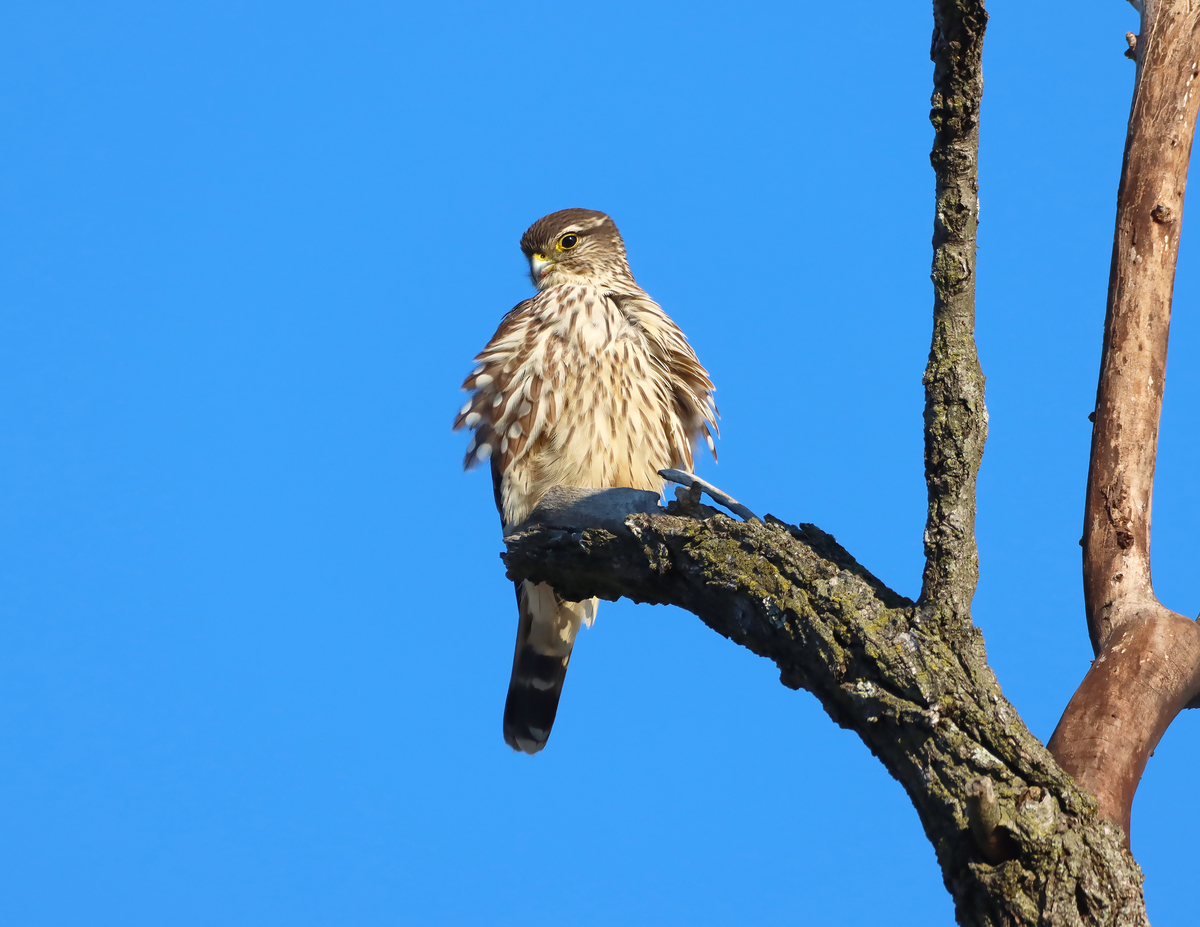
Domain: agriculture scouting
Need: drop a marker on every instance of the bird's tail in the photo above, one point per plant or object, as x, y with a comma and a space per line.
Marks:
545, 636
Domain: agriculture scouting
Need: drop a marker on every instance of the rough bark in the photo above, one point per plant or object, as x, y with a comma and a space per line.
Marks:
1020, 842
955, 415
1148, 657
930, 712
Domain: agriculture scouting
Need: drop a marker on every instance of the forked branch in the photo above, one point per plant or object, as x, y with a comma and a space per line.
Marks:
930, 711
1018, 840
1147, 664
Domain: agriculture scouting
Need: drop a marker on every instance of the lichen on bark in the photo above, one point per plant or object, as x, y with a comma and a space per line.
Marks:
933, 714
955, 414
910, 678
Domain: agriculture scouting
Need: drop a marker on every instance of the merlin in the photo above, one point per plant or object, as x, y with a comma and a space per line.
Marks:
589, 384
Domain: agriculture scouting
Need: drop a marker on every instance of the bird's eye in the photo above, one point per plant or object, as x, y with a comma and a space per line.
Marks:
567, 242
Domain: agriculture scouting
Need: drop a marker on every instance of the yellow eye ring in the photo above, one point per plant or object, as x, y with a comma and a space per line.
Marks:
567, 242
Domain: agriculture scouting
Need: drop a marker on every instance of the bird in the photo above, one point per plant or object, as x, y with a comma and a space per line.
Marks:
588, 383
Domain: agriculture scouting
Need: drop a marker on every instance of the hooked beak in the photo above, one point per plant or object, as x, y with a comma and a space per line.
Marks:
539, 266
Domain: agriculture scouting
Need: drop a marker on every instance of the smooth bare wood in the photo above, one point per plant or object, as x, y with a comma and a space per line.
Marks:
1116, 537
1148, 658
1019, 842
1143, 678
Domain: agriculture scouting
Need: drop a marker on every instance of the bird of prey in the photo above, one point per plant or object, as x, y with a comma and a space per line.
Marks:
589, 384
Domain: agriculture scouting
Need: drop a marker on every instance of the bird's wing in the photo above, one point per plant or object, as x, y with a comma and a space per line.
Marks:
508, 410
691, 389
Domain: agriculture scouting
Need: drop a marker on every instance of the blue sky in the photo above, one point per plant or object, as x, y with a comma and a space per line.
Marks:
254, 633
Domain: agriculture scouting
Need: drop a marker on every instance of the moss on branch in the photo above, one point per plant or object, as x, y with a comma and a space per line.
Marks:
933, 715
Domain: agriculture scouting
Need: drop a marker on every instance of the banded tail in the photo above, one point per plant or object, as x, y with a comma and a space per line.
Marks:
545, 636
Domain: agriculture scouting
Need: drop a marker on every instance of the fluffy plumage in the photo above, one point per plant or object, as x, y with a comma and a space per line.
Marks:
589, 383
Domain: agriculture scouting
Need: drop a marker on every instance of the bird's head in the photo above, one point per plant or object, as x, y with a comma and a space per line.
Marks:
574, 246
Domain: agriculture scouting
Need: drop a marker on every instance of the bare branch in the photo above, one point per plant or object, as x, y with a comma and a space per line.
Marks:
1120, 488
1019, 841
955, 415
1148, 658
934, 717
1143, 678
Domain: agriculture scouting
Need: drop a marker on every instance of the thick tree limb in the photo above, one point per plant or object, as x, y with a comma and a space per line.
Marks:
1148, 657
936, 719
1019, 841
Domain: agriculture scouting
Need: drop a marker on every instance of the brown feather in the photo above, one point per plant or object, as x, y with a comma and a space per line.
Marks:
589, 383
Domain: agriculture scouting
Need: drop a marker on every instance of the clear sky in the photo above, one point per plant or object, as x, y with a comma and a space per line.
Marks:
254, 633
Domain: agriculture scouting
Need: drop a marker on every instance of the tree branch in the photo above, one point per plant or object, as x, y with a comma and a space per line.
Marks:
1148, 657
936, 720
955, 415
1019, 841
1120, 488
